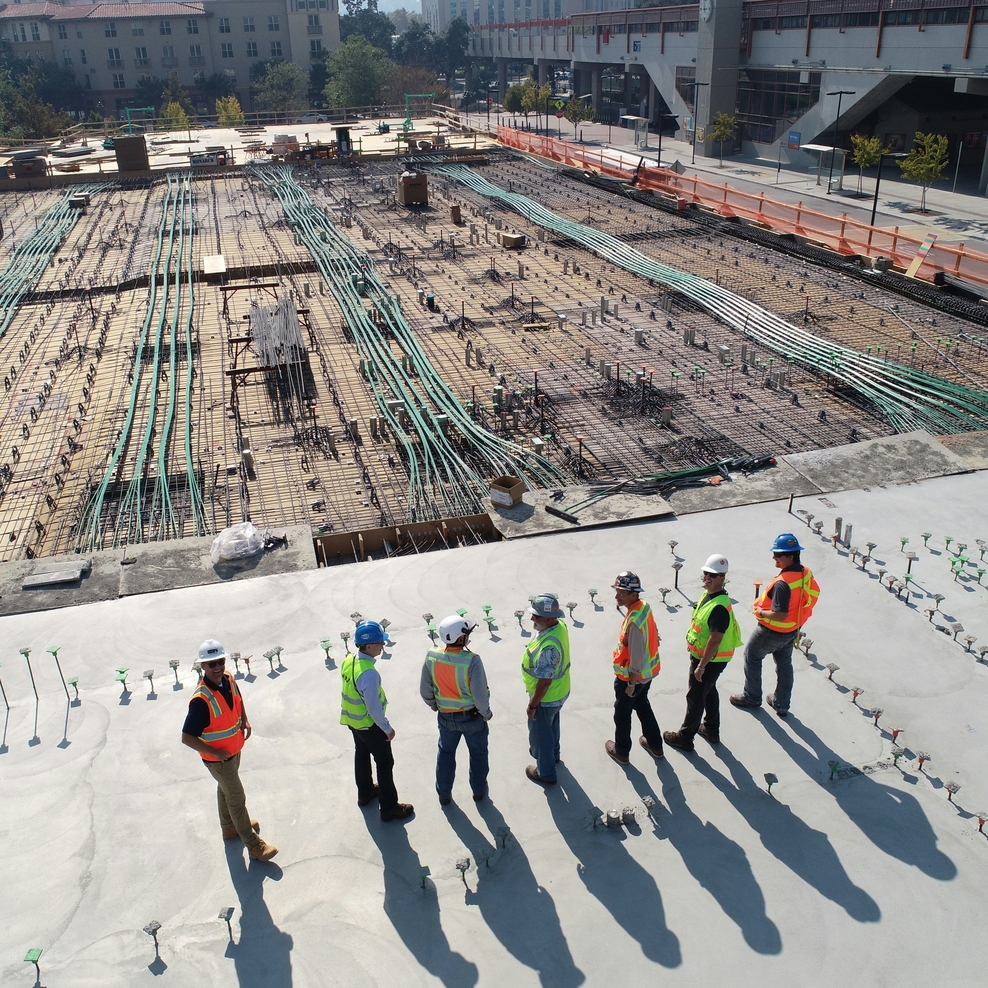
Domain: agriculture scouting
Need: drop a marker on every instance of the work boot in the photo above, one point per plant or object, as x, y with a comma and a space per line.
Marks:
770, 700
654, 752
230, 832
479, 797
533, 773
674, 739
708, 734
367, 800
740, 700
400, 812
611, 748
262, 851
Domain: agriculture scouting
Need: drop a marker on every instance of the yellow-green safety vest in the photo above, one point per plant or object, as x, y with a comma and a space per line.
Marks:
557, 636
699, 633
450, 684
354, 711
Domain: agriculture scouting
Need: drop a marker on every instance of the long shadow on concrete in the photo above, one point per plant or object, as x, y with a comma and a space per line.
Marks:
891, 819
805, 851
262, 955
612, 876
516, 909
716, 862
413, 910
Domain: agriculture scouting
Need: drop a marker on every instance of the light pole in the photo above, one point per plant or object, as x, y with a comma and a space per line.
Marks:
840, 94
695, 106
895, 155
662, 116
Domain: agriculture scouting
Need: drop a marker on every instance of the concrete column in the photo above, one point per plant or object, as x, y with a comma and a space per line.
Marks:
628, 108
652, 92
543, 70
502, 76
597, 88
983, 181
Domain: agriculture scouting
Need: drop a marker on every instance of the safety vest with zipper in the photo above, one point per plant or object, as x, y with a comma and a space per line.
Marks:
699, 633
354, 711
558, 637
450, 682
224, 730
803, 594
639, 614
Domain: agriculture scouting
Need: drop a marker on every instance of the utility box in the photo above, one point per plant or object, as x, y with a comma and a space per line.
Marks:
507, 490
413, 188
131, 154
513, 241
29, 167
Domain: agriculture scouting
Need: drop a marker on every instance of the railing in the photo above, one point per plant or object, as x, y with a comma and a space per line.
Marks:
838, 233
169, 62
197, 60
141, 62
114, 63
314, 29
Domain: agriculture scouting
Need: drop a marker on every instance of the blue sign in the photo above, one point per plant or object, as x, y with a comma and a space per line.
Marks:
794, 138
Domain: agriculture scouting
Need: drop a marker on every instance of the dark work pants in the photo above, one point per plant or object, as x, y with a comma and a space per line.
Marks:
372, 741
639, 703
702, 701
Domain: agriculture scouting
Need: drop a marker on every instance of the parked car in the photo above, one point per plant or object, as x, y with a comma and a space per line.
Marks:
313, 116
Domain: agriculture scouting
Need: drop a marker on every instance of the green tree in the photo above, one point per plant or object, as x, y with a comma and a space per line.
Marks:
412, 79
376, 28
216, 86
512, 101
416, 46
535, 99
925, 162
54, 84
576, 112
451, 49
174, 117
866, 153
357, 73
284, 89
228, 112
175, 92
258, 70
150, 92
722, 129
403, 19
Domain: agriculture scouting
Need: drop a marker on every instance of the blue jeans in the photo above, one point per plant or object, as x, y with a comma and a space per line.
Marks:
543, 739
475, 731
764, 642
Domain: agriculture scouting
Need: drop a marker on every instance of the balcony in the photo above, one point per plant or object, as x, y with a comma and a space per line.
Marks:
114, 63
314, 29
169, 63
140, 63
317, 54
197, 60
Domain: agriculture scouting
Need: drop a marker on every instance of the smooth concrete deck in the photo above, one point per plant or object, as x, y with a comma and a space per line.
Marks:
873, 879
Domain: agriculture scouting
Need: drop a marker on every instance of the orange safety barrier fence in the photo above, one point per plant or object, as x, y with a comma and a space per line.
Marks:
841, 234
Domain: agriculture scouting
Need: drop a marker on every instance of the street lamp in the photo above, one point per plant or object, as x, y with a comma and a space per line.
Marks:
662, 116
895, 155
695, 84
840, 94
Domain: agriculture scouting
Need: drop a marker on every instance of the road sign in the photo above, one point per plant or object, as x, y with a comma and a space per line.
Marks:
560, 114
559, 104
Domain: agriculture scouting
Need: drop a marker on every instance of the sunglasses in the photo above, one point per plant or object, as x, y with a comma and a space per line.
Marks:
214, 664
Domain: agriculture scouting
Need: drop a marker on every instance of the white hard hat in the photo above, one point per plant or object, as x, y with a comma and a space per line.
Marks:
211, 650
715, 564
454, 627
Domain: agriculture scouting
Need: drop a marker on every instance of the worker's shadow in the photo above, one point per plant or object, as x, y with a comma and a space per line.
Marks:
512, 902
717, 863
262, 954
806, 852
891, 819
414, 910
611, 874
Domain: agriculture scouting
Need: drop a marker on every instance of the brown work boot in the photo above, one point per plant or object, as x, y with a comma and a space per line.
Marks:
611, 748
654, 752
262, 851
400, 812
230, 832
533, 773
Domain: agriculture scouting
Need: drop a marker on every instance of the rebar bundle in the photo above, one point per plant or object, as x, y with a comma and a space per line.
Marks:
276, 336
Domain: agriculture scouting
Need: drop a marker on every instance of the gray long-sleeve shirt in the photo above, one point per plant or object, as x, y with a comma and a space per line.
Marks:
369, 687
476, 680
636, 649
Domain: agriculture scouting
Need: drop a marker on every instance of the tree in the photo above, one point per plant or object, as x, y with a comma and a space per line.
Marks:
512, 101
175, 93
376, 28
721, 129
925, 162
38, 119
451, 49
216, 86
174, 117
416, 46
403, 19
576, 112
55, 85
412, 79
357, 73
150, 92
258, 70
228, 112
535, 99
866, 154
284, 89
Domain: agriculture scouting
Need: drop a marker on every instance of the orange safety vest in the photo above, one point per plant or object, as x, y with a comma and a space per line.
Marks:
804, 591
641, 615
450, 682
224, 730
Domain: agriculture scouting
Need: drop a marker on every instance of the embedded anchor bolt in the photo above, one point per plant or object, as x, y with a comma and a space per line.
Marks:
461, 866
896, 731
677, 566
173, 665
897, 753
649, 803
326, 645
424, 873
152, 931
672, 546
921, 757
818, 527
969, 640
345, 635
952, 789
926, 538
32, 957
834, 766
956, 627
770, 780
876, 712
664, 591
571, 606
983, 651
519, 615
593, 594
982, 816
903, 542
807, 644
356, 617
832, 667
937, 599
758, 588
856, 691
149, 676
226, 915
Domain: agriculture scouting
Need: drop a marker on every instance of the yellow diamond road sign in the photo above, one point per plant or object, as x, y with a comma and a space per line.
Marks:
559, 104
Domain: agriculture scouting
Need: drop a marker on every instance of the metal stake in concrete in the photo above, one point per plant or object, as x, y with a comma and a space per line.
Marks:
32, 957
832, 667
952, 789
152, 931
770, 780
173, 665
6, 719
593, 593
856, 691
982, 816
876, 712
926, 538
461, 866
26, 652
149, 676
922, 757
677, 566
226, 915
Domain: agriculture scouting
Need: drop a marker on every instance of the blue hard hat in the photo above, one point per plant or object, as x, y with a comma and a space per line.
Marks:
786, 542
369, 632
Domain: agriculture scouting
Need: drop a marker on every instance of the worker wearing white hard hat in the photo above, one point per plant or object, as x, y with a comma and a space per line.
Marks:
454, 684
711, 641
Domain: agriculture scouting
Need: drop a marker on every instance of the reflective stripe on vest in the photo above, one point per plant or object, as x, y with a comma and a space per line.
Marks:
223, 730
699, 633
558, 636
641, 615
450, 684
353, 712
803, 594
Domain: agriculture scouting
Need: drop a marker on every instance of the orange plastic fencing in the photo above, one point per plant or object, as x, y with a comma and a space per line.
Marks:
839, 233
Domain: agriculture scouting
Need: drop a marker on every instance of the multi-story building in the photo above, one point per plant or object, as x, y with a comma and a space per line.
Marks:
112, 46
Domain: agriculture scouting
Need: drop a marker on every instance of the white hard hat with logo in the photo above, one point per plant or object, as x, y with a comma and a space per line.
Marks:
715, 564
210, 650
454, 627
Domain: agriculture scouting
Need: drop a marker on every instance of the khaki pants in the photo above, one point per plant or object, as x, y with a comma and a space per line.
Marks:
231, 798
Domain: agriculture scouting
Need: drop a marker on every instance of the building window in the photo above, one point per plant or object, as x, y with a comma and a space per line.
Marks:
63, 33
252, 49
770, 101
248, 25
273, 23
164, 27
141, 56
78, 33
82, 55
192, 26
226, 49
113, 60
276, 49
118, 81
195, 51
866, 19
137, 30
825, 20
23, 33
231, 74
224, 25
89, 82
110, 29
315, 48
66, 57
35, 33
790, 22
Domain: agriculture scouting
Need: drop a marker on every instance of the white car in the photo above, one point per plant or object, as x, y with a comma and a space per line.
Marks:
313, 116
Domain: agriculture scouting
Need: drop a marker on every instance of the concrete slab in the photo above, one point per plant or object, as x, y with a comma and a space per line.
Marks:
770, 484
108, 822
971, 447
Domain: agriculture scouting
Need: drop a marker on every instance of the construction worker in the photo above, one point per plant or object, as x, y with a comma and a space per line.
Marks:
545, 671
454, 684
216, 726
780, 611
636, 663
711, 641
363, 707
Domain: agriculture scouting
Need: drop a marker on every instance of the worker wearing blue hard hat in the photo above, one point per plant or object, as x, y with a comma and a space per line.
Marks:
363, 709
780, 611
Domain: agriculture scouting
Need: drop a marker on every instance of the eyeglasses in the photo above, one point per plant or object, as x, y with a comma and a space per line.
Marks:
214, 664
710, 576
